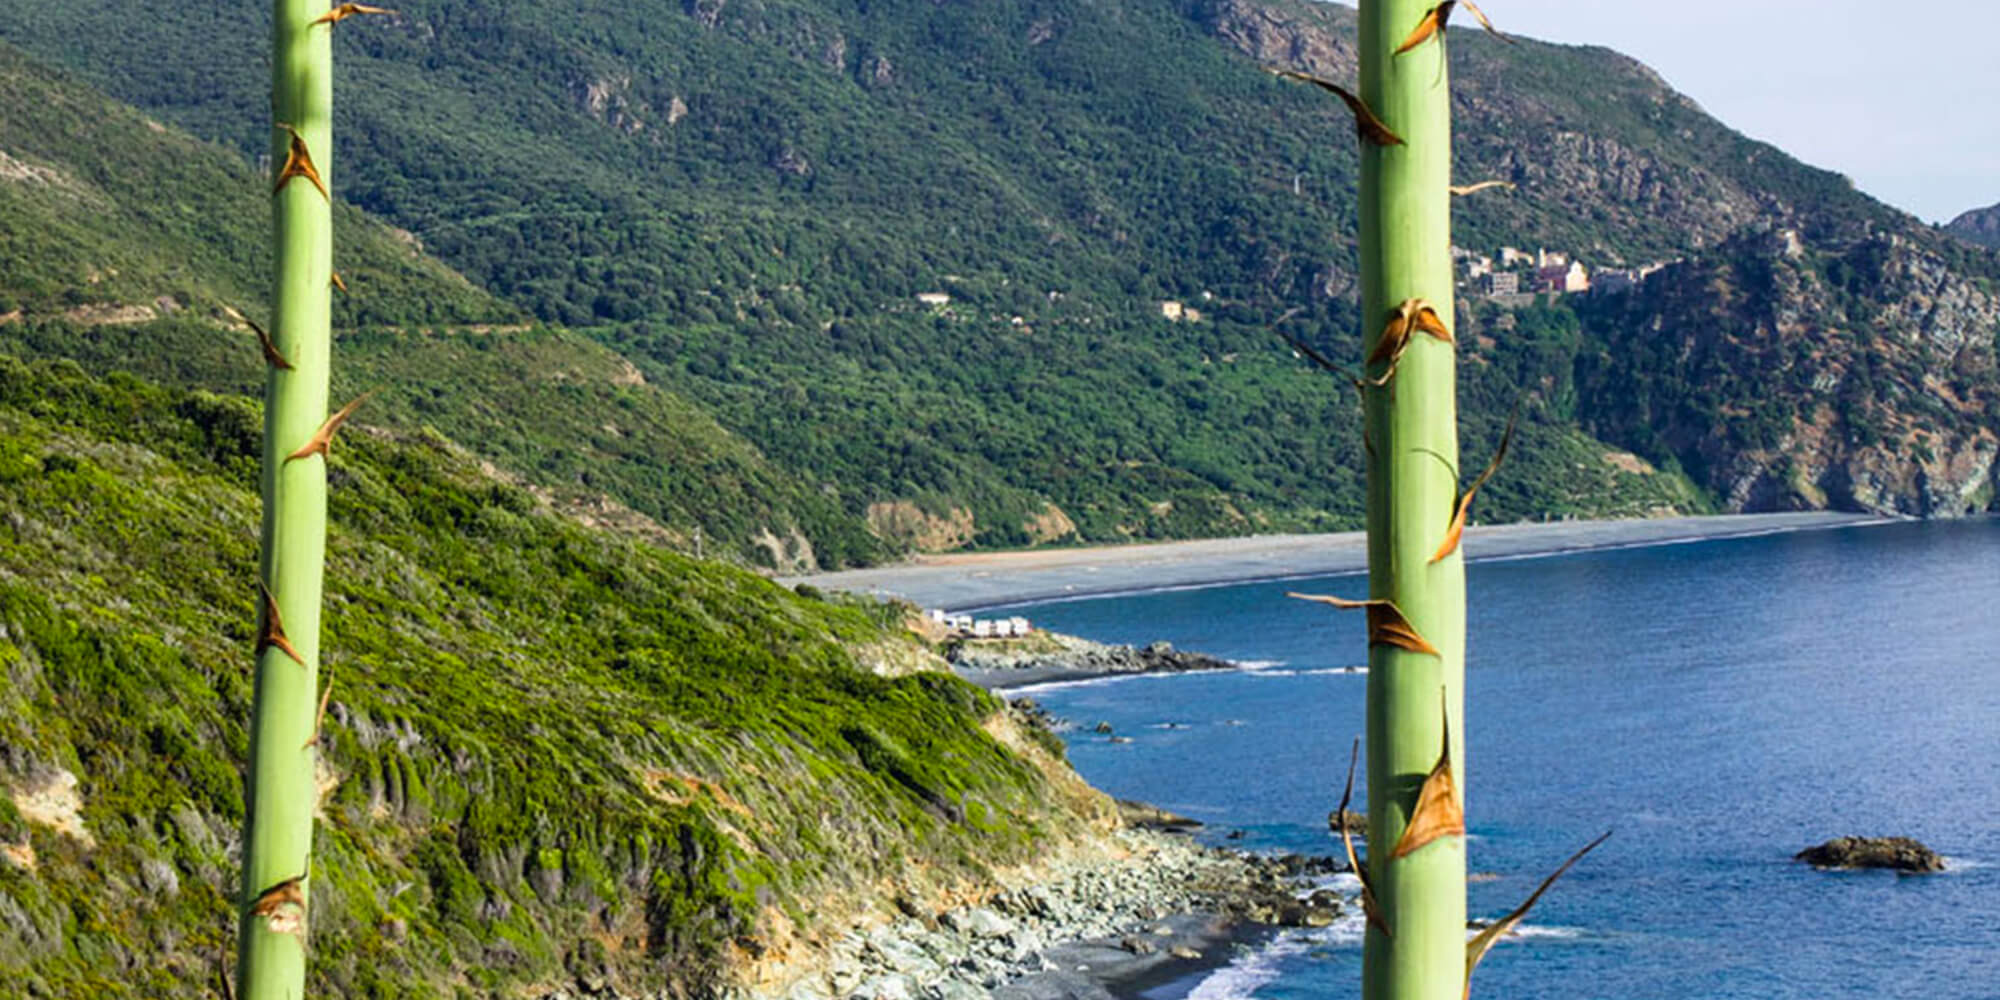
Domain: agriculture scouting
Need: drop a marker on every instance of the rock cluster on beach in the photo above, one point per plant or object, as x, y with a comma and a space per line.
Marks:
1062, 655
964, 954
1901, 854
1166, 900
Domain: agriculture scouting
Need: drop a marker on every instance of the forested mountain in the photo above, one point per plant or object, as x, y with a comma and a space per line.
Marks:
745, 198
123, 243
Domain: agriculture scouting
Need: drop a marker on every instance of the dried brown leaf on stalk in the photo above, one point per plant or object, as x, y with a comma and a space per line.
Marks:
322, 439
347, 10
1438, 18
1438, 813
1368, 904
1476, 948
1366, 124
264, 342
1321, 361
283, 906
319, 717
271, 628
1456, 531
298, 163
1461, 190
1413, 316
1386, 624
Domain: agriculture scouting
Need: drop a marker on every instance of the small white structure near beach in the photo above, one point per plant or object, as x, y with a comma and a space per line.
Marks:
981, 628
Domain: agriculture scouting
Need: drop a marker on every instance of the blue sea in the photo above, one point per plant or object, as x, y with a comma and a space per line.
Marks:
1719, 704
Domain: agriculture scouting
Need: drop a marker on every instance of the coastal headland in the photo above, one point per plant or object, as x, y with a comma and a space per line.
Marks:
980, 580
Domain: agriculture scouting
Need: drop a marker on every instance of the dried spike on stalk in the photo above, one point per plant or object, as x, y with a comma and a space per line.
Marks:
298, 163
225, 984
1386, 624
1438, 813
1461, 190
1368, 904
319, 717
264, 341
347, 10
1366, 124
1476, 948
1411, 317
1456, 531
322, 439
283, 906
271, 628
334, 279
1436, 20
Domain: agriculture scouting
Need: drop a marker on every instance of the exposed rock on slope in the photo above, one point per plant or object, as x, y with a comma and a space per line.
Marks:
1784, 375
1616, 169
1981, 226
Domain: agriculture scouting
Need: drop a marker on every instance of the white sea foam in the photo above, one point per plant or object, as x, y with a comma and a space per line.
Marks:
1240, 979
1534, 931
1259, 664
1025, 690
1355, 671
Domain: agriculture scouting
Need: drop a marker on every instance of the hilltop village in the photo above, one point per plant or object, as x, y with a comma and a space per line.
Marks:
1515, 276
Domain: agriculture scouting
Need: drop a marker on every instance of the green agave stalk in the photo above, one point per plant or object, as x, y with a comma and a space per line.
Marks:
1413, 885
1416, 950
280, 793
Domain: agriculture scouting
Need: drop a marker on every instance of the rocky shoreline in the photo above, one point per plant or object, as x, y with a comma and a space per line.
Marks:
1165, 908
1168, 908
1050, 656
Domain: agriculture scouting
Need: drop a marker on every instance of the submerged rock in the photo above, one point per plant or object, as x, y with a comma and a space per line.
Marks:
1901, 854
1347, 819
1142, 816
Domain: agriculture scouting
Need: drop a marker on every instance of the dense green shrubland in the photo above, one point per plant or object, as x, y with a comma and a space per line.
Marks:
552, 747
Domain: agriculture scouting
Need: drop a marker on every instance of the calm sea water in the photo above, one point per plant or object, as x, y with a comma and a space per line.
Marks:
1719, 704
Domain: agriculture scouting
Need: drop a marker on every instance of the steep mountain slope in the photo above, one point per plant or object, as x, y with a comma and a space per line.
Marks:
1613, 166
768, 185
1980, 225
121, 240
746, 197
551, 755
1788, 376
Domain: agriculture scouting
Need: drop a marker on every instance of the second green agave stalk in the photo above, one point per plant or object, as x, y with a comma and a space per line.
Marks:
1415, 698
272, 937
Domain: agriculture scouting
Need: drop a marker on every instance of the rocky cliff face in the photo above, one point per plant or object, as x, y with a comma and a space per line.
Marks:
1981, 226
1803, 347
1784, 375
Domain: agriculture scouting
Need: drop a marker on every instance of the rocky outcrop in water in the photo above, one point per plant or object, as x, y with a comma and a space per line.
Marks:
1901, 854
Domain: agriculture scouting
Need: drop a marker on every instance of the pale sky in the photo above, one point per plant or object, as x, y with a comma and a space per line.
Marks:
1901, 97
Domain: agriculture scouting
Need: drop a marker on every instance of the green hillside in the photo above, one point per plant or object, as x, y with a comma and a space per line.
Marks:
549, 751
745, 199
121, 240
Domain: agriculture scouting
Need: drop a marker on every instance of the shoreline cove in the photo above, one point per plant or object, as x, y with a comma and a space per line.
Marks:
980, 582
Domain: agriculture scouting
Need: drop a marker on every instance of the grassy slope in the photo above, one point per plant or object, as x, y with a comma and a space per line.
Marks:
549, 747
